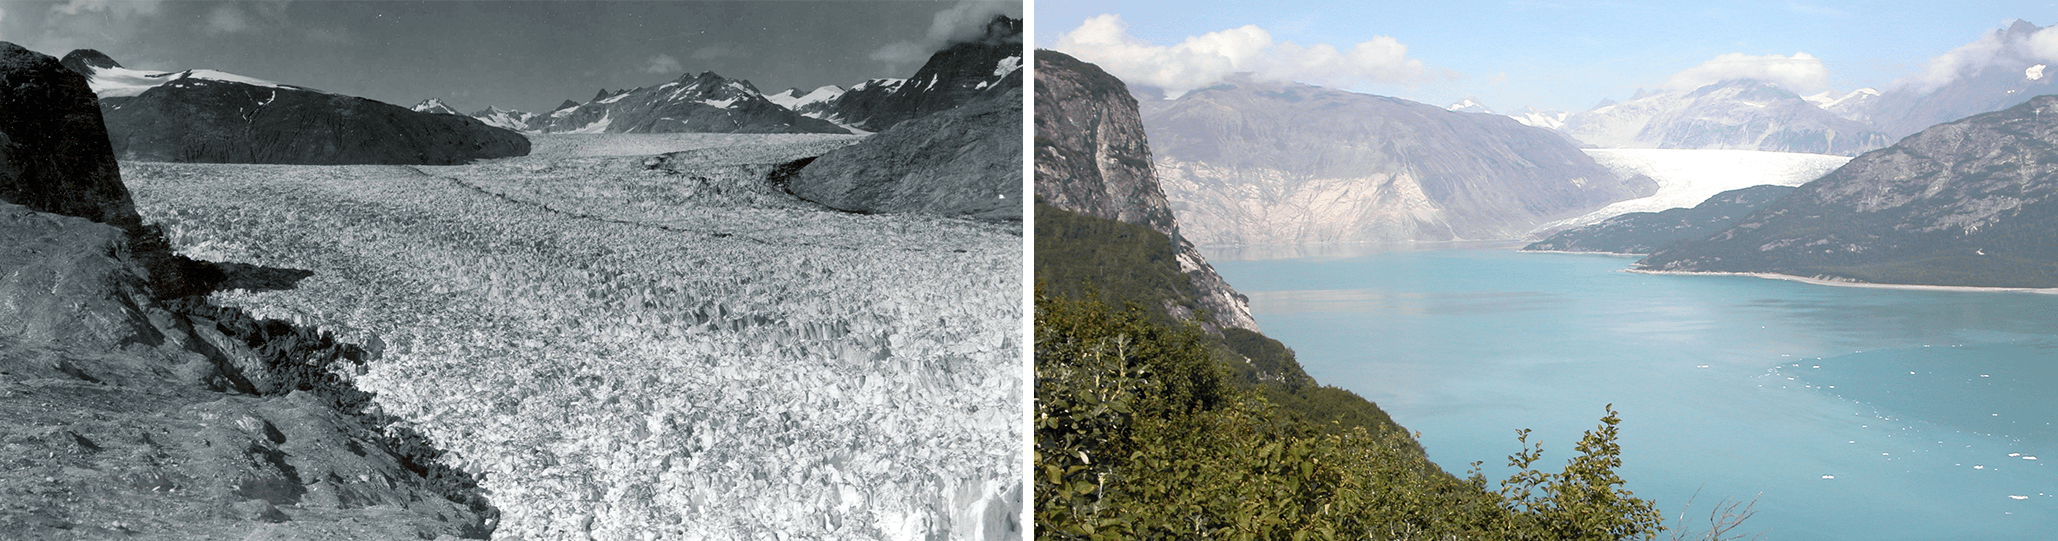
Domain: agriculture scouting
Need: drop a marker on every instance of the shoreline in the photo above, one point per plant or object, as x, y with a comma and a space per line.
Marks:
1843, 283
1619, 254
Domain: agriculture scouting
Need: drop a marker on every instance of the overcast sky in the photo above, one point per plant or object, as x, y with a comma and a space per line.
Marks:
1564, 55
527, 55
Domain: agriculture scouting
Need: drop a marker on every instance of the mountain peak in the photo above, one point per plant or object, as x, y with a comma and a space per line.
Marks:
566, 105
87, 61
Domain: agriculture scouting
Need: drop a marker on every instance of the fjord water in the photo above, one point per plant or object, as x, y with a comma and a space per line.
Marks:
1849, 413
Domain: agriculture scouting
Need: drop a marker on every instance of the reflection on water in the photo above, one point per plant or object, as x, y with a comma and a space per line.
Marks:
1732, 386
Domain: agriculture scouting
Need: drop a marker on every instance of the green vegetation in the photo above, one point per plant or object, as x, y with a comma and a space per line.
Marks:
1152, 427
1140, 433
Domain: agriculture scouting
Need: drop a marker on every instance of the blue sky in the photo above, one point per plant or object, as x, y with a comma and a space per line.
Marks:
1561, 55
526, 55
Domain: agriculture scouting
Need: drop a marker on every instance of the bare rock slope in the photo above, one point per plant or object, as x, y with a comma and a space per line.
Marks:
1966, 203
1257, 162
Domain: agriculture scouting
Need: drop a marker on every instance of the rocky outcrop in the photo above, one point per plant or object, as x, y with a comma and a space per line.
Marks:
1646, 232
960, 162
1092, 158
130, 408
1255, 162
951, 78
703, 103
54, 155
1967, 203
1741, 114
434, 106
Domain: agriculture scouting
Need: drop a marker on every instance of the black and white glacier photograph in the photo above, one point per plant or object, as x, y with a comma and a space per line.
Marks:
525, 270
1707, 271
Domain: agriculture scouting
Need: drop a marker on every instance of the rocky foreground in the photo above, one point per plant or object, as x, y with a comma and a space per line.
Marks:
134, 409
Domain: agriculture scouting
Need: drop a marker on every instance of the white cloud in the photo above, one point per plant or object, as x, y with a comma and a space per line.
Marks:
900, 52
1801, 73
119, 7
965, 21
1997, 48
1206, 59
663, 64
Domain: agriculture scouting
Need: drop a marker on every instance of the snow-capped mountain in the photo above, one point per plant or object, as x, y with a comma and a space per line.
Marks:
215, 117
1853, 105
435, 106
109, 79
1741, 114
2008, 70
1254, 162
703, 103
1549, 120
1469, 105
951, 78
812, 103
497, 117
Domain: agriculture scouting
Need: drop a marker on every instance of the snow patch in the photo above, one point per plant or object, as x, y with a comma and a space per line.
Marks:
1006, 66
614, 98
2034, 72
598, 126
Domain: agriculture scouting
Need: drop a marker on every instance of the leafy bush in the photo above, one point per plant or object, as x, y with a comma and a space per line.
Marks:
1138, 436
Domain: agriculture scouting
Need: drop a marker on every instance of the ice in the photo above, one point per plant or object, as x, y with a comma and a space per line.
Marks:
1686, 177
598, 126
614, 98
1006, 66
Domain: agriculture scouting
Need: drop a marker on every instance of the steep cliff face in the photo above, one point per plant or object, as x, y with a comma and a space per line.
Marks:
1967, 203
1740, 114
1255, 162
1092, 159
54, 155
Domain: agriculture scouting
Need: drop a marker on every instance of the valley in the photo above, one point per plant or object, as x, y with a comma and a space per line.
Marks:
625, 334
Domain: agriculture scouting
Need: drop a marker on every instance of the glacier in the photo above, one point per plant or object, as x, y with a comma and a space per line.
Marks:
1686, 177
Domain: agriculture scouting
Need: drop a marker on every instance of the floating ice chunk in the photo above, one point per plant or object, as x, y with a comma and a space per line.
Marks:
2018, 497
1828, 477
1978, 467
2014, 454
2029, 458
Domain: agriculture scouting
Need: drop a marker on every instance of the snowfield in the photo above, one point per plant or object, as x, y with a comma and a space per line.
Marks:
1686, 177
634, 347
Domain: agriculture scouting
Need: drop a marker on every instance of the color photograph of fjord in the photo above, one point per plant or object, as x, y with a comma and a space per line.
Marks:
763, 283
1802, 255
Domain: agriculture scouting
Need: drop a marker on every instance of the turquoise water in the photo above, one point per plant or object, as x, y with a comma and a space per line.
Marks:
1849, 413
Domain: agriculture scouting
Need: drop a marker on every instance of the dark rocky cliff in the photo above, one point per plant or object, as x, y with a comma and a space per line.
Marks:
1257, 162
1092, 159
131, 408
1967, 203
